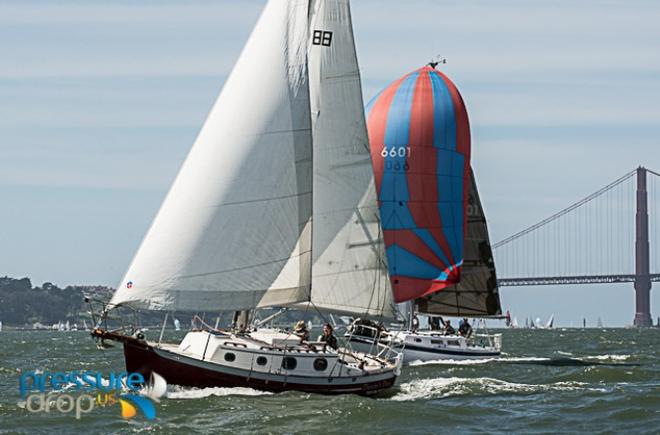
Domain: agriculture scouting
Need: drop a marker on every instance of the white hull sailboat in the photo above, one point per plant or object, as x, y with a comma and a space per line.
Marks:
274, 206
475, 296
429, 345
439, 254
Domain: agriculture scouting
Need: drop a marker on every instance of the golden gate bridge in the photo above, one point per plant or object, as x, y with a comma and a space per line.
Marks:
606, 237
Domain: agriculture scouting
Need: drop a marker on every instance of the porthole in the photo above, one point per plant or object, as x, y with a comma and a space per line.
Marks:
262, 361
289, 363
229, 357
320, 364
418, 340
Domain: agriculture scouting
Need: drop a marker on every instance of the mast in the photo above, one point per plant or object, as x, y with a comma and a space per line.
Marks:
241, 320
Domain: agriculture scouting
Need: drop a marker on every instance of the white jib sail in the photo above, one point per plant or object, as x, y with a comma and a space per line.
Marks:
234, 231
349, 270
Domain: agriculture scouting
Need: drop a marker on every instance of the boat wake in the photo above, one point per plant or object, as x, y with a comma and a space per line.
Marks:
438, 388
177, 392
608, 357
469, 362
545, 361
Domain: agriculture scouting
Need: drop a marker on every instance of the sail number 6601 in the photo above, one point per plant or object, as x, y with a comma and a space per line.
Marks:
395, 152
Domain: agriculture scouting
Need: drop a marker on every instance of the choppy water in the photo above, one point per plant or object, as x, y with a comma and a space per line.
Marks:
595, 380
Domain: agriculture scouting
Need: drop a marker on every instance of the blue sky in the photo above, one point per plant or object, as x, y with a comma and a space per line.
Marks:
100, 102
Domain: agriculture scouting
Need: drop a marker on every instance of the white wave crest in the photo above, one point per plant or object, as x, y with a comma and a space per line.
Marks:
469, 362
608, 357
436, 388
451, 362
200, 393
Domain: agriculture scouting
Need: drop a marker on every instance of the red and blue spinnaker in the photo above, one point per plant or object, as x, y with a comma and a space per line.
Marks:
420, 147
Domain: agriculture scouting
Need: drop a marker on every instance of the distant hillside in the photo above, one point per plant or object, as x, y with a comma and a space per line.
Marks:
22, 304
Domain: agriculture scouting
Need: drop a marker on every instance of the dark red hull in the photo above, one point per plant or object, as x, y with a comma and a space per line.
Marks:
143, 358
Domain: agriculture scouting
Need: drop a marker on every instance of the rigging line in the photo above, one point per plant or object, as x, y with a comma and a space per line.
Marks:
377, 275
319, 312
274, 198
564, 211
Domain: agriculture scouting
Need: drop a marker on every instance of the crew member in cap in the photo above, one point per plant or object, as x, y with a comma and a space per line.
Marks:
301, 330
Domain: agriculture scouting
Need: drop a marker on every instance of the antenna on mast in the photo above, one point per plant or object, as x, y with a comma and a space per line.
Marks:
437, 60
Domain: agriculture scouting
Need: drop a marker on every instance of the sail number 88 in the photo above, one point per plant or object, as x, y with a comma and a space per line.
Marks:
395, 152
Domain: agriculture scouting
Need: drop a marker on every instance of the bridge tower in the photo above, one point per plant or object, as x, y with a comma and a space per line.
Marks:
642, 277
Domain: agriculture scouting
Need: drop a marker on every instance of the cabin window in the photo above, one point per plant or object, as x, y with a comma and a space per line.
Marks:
453, 343
262, 360
418, 340
320, 364
289, 363
229, 357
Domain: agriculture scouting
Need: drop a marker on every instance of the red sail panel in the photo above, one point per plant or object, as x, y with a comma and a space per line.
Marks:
420, 146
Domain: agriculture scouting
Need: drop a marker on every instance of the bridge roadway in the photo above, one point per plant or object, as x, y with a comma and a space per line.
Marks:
560, 280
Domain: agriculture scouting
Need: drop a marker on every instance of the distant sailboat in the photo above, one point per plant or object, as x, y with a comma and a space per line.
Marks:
549, 324
599, 324
274, 206
514, 323
0, 325
177, 324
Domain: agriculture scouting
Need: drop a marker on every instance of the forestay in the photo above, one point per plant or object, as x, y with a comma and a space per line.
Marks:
234, 231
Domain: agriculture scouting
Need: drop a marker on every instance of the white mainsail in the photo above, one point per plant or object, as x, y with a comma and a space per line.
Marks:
234, 231
277, 195
349, 272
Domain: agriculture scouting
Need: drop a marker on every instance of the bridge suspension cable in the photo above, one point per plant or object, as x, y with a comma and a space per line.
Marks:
592, 240
566, 210
611, 236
